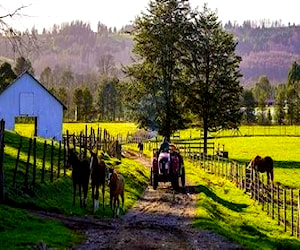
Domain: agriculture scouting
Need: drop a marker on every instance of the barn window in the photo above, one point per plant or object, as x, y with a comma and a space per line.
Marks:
26, 103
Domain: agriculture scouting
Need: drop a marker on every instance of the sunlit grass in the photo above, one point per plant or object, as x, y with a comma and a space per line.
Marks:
226, 210
284, 150
56, 196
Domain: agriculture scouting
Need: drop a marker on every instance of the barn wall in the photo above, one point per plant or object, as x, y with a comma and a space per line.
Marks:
48, 110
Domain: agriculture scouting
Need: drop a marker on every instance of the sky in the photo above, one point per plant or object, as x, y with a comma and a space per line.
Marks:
117, 13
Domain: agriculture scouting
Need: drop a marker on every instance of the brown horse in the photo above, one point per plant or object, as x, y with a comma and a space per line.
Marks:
98, 174
116, 185
80, 175
263, 165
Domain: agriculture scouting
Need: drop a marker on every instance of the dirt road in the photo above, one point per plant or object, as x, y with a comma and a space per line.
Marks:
161, 219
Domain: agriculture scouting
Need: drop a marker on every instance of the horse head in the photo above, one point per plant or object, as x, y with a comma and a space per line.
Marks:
254, 162
72, 158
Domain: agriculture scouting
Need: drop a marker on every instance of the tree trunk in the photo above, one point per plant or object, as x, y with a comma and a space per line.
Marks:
205, 133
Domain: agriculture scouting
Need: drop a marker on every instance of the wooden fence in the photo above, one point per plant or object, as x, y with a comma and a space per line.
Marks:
38, 161
90, 138
2, 191
280, 203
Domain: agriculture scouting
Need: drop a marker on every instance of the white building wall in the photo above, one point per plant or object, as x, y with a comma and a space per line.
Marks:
48, 110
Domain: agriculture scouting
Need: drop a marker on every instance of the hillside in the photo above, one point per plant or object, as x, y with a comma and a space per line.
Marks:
268, 50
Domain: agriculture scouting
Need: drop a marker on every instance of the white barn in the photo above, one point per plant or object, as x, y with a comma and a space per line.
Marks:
27, 97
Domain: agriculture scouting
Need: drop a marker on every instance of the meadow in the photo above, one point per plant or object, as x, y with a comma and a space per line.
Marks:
114, 128
222, 207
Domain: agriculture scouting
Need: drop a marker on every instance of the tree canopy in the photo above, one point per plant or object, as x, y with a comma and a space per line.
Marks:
157, 76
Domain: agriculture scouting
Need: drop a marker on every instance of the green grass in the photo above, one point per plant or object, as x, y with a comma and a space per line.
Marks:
54, 196
226, 210
244, 130
284, 150
114, 128
21, 230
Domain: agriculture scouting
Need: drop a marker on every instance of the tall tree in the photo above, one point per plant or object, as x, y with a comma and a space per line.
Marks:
78, 102
22, 65
156, 98
47, 77
293, 94
87, 104
262, 92
107, 99
280, 104
248, 103
212, 67
106, 65
7, 75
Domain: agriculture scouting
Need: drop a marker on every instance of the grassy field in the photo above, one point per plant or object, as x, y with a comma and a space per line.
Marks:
222, 207
114, 128
226, 210
19, 227
284, 150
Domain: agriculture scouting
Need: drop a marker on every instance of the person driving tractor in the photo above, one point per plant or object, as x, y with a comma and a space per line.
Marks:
165, 146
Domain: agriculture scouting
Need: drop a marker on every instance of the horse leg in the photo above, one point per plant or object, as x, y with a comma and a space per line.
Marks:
114, 206
93, 195
85, 191
118, 206
111, 201
74, 192
96, 204
79, 187
103, 191
122, 197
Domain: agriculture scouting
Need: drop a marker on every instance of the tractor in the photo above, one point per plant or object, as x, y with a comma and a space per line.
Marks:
167, 167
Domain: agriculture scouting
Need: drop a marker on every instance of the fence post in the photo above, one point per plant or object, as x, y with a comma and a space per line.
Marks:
44, 160
272, 201
27, 163
17, 162
298, 215
34, 162
292, 211
278, 204
65, 157
58, 161
2, 190
51, 162
284, 209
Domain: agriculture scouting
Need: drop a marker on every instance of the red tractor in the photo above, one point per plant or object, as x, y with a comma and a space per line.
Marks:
167, 167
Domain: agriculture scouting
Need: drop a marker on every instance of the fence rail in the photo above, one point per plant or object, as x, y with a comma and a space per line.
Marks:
282, 204
28, 170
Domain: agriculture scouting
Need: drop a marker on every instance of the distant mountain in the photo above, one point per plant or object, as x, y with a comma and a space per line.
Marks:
264, 50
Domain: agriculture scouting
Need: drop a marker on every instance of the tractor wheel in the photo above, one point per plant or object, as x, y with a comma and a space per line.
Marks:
183, 177
155, 181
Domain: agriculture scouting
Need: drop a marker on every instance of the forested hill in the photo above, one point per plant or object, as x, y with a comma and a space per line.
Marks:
265, 50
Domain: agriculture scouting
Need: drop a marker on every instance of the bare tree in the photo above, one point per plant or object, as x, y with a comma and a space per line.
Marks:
20, 41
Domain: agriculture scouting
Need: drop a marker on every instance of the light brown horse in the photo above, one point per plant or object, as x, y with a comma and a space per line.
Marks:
116, 185
263, 165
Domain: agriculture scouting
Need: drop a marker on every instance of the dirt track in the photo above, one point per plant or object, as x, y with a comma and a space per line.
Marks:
161, 219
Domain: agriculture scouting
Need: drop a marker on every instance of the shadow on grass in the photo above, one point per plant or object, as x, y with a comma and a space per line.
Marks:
203, 189
246, 235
